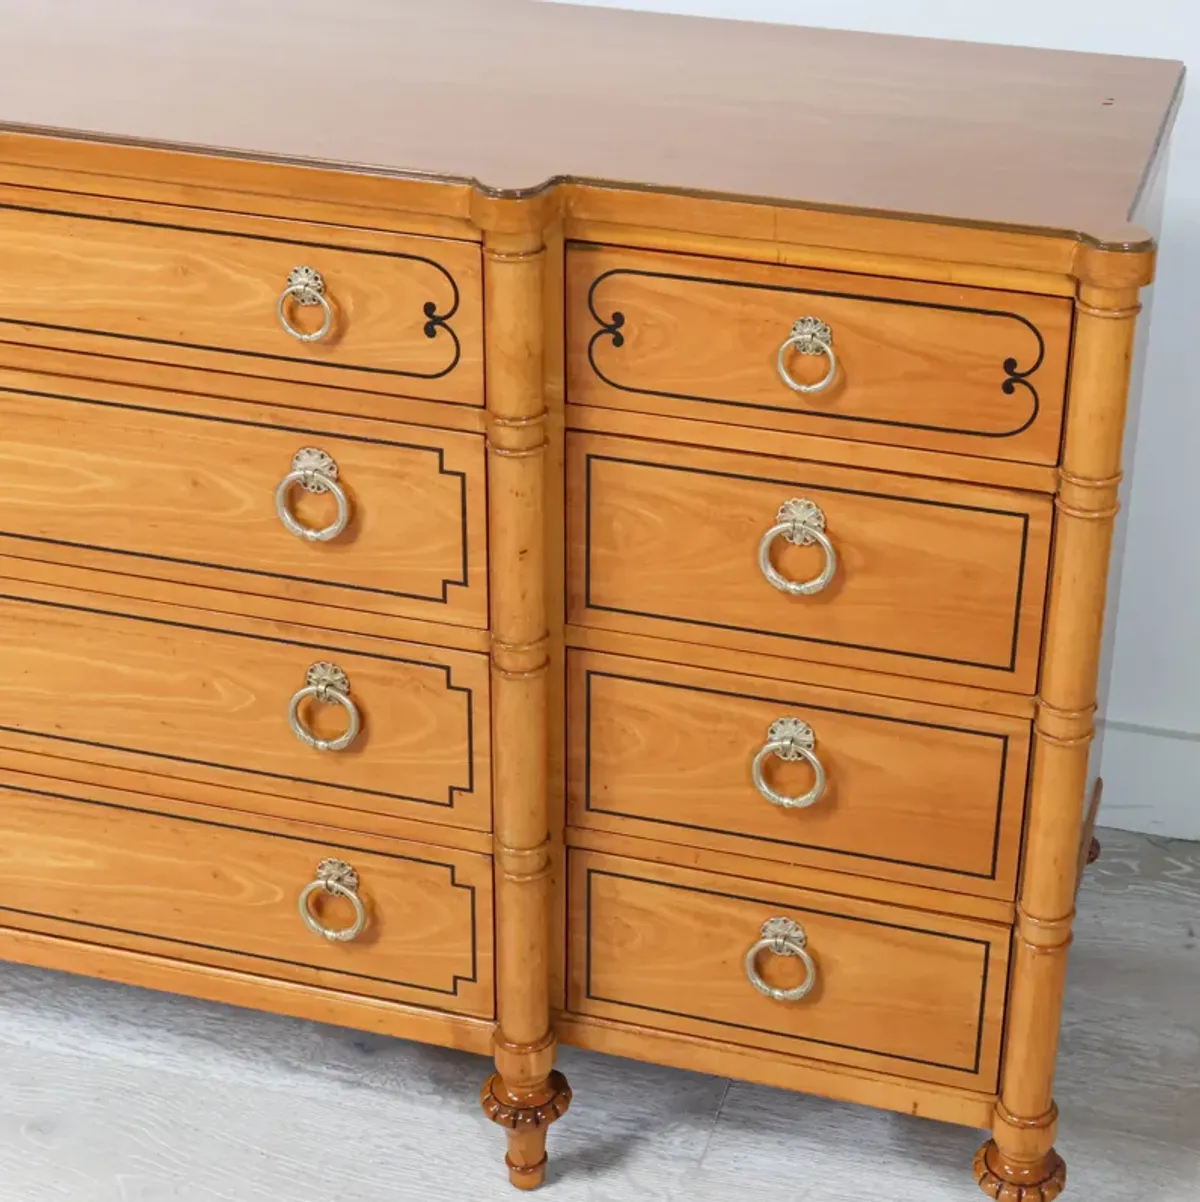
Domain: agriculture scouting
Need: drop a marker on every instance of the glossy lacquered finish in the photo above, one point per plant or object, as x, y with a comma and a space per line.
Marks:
227, 897
803, 437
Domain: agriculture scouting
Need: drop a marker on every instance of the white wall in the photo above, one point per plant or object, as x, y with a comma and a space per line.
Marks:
1152, 750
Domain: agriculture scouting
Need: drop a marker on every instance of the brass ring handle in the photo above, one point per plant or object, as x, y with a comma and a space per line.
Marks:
315, 472
809, 336
801, 523
306, 287
325, 682
339, 879
789, 739
783, 937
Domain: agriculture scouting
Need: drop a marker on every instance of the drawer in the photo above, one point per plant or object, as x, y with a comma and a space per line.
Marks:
167, 695
933, 579
917, 793
405, 314
890, 989
229, 897
920, 365
192, 498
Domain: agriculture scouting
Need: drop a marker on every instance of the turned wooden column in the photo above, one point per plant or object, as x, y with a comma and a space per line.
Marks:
1019, 1164
525, 1095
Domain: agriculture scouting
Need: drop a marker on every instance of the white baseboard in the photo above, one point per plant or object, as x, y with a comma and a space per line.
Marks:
1151, 780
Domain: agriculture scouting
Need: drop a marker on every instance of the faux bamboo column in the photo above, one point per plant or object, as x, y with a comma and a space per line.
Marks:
1020, 1164
525, 1095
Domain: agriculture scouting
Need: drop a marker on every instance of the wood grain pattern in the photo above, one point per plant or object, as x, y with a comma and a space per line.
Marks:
914, 793
956, 369
190, 498
99, 873
187, 700
886, 124
935, 580
903, 993
408, 311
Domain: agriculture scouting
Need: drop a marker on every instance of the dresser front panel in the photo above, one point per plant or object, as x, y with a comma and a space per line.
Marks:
228, 897
922, 365
179, 699
407, 312
935, 579
915, 793
192, 498
900, 991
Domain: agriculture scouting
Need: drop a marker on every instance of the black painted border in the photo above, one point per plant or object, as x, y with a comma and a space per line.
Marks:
324, 649
612, 329
799, 706
590, 458
434, 321
438, 452
594, 997
458, 978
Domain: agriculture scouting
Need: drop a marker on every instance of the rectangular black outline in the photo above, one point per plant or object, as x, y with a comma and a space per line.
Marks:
454, 790
590, 996
457, 978
589, 673
438, 451
590, 457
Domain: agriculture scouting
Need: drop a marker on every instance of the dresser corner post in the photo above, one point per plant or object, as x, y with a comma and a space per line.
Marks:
1019, 1163
525, 1095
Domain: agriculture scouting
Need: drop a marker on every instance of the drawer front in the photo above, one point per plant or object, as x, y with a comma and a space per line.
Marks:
917, 793
405, 313
229, 897
193, 498
892, 990
933, 579
178, 699
921, 365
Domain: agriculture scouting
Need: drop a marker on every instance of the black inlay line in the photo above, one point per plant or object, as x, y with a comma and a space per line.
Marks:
801, 706
453, 790
803, 638
434, 321
457, 978
1013, 375
717, 1022
446, 584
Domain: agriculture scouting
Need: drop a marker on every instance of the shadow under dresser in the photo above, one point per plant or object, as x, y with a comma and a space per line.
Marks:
616, 554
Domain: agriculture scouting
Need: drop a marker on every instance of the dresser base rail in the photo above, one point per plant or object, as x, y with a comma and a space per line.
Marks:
249, 990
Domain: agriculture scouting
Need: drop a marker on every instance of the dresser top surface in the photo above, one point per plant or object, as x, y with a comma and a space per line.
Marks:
513, 94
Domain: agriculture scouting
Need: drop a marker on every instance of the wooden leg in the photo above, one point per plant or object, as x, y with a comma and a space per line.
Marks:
1019, 1163
525, 1095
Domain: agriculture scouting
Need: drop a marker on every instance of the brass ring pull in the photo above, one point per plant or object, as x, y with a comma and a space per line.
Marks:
305, 287
315, 472
328, 683
783, 937
335, 877
809, 336
789, 739
801, 523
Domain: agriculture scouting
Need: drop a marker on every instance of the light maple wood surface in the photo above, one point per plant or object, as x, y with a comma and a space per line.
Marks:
191, 700
937, 580
101, 873
968, 370
190, 497
986, 134
913, 793
407, 311
915, 995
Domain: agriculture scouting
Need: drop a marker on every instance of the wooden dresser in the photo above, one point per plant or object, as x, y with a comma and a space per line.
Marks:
523, 523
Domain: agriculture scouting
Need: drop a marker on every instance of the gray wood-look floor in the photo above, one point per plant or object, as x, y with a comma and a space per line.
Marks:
109, 1094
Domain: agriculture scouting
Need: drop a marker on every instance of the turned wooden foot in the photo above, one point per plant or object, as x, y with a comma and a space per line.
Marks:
526, 1114
1007, 1181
